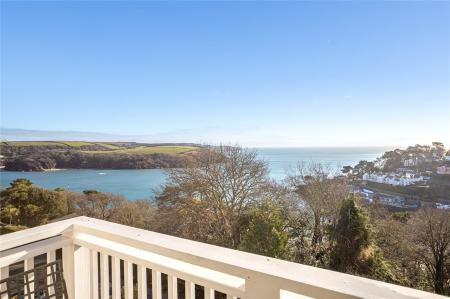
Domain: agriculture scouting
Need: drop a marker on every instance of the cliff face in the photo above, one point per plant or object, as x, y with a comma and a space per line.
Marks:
33, 163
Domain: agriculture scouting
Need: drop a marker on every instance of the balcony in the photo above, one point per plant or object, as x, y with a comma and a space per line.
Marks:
106, 260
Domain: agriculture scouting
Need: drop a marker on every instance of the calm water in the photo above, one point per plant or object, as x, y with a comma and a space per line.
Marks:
135, 184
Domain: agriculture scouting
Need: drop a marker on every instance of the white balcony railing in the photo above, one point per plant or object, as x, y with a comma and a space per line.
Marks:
92, 250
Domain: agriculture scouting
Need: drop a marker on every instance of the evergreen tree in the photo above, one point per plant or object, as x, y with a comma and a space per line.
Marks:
354, 250
266, 233
352, 237
27, 205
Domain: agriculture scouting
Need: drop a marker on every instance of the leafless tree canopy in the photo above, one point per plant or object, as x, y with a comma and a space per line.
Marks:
430, 231
112, 207
208, 199
322, 195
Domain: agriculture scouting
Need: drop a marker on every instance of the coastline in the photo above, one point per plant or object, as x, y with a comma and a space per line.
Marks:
138, 183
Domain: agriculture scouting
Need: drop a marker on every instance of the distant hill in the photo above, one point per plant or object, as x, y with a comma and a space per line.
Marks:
46, 155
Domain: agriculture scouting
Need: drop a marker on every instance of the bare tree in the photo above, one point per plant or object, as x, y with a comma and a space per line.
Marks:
430, 231
136, 213
208, 199
99, 205
111, 207
322, 195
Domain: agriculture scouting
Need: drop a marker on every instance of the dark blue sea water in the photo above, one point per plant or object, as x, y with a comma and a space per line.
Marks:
138, 184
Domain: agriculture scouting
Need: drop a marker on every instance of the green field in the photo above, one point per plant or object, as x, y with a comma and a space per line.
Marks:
148, 150
31, 143
108, 147
75, 143
63, 143
111, 146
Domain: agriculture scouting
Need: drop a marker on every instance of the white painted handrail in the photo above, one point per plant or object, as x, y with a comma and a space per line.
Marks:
92, 248
31, 250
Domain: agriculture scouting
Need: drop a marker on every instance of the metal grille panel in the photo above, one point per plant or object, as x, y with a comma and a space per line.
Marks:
42, 282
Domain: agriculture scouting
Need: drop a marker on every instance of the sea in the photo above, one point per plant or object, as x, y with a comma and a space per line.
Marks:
145, 183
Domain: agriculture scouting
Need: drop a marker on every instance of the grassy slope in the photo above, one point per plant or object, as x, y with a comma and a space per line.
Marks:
63, 143
31, 143
75, 143
113, 147
148, 150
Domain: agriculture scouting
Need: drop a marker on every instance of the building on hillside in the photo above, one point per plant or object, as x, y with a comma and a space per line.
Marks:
447, 158
444, 169
367, 194
410, 162
395, 179
442, 206
393, 201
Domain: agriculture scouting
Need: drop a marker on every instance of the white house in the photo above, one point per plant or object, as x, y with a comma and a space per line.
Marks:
442, 206
444, 169
409, 162
395, 179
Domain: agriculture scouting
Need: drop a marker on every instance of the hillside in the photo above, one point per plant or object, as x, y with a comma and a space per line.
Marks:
46, 155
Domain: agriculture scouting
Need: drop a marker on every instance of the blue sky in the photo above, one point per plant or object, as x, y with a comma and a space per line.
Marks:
254, 73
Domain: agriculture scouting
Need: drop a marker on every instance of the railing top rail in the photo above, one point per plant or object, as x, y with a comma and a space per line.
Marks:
16, 254
307, 280
38, 233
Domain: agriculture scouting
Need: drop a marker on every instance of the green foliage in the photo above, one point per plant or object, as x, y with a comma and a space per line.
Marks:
9, 211
27, 205
420, 157
359, 169
23, 205
363, 167
377, 267
266, 233
347, 169
438, 150
6, 229
352, 236
355, 250
402, 217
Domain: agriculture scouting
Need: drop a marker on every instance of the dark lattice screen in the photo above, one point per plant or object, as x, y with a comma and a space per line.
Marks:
42, 282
